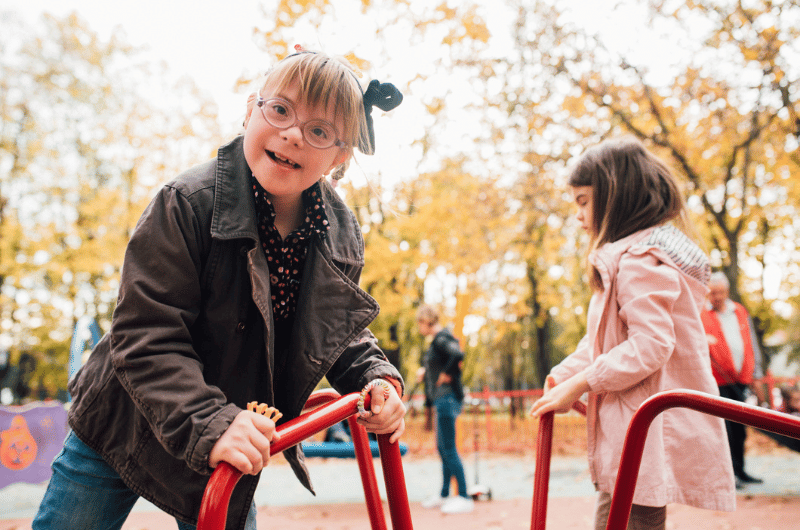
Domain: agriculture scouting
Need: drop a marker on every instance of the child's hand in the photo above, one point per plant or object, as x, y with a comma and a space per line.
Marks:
560, 397
386, 414
245, 444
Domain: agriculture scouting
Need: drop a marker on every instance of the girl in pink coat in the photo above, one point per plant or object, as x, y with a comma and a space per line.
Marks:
644, 335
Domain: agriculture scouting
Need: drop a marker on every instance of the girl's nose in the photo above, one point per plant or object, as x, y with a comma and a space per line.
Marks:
293, 134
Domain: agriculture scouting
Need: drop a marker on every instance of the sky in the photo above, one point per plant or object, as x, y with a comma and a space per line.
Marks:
212, 44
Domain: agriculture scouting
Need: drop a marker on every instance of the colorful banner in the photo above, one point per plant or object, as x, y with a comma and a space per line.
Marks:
30, 438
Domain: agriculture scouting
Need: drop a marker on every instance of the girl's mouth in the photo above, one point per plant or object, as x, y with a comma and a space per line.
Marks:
283, 161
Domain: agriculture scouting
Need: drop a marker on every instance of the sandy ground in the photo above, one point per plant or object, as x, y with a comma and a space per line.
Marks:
753, 513
283, 503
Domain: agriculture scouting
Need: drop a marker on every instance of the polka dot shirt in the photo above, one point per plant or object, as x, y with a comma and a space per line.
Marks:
286, 257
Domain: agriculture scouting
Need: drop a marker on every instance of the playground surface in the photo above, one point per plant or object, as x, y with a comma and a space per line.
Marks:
565, 513
339, 505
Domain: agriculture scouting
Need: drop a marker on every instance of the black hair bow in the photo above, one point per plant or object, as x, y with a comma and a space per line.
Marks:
385, 96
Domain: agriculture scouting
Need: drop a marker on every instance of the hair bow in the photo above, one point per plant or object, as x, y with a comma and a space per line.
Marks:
385, 96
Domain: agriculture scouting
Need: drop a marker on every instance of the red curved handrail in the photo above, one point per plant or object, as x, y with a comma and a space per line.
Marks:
636, 435
214, 507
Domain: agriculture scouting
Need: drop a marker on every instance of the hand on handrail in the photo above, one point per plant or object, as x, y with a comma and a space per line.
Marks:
214, 507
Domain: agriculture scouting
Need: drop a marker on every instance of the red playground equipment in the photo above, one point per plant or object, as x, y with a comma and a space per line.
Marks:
633, 447
331, 409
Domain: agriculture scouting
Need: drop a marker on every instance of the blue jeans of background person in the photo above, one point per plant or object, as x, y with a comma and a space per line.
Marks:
447, 410
85, 493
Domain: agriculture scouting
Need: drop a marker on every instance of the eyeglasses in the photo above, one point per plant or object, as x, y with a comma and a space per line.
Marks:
279, 113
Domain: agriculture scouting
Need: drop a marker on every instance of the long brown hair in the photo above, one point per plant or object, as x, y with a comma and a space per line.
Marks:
632, 189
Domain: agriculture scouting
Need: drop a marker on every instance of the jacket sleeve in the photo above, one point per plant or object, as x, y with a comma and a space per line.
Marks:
574, 363
361, 362
448, 349
152, 349
646, 291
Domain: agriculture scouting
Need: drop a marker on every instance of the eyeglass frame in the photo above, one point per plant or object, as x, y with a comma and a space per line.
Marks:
261, 103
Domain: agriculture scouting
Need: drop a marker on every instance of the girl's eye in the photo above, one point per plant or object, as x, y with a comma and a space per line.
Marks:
320, 132
279, 110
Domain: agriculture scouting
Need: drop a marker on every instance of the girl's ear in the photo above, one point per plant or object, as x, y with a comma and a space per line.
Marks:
251, 103
340, 159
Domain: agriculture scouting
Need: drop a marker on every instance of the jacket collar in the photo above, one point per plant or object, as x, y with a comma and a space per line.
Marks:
606, 258
234, 209
611, 251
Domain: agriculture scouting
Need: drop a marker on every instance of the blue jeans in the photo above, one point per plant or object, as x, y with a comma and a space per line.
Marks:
447, 410
85, 493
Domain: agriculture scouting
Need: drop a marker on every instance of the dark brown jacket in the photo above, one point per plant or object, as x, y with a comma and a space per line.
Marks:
191, 340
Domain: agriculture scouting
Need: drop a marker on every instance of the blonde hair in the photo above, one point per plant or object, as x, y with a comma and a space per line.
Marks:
323, 80
428, 313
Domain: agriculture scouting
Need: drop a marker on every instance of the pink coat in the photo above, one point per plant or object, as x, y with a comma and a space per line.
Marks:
644, 335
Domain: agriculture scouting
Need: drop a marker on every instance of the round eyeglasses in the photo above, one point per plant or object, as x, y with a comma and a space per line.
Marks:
279, 113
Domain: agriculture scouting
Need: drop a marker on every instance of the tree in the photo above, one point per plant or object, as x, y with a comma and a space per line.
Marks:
726, 117
440, 230
88, 131
512, 104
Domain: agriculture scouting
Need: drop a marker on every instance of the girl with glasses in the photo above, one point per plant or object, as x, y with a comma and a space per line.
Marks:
240, 285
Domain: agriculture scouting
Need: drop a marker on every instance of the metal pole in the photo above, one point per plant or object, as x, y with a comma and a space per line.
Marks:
395, 480
541, 479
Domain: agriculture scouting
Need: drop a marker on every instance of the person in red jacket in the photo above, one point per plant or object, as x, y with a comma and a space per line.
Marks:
735, 360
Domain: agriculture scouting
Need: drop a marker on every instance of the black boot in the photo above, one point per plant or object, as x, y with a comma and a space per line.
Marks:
744, 477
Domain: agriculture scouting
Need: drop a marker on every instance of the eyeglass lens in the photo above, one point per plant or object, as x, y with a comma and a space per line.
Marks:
281, 114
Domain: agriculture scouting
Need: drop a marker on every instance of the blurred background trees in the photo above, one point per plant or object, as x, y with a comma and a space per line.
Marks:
87, 132
469, 210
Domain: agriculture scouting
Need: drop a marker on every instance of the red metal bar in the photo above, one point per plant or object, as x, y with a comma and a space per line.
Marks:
367, 469
214, 507
395, 481
488, 410
769, 381
633, 447
363, 455
541, 480
320, 397
295, 431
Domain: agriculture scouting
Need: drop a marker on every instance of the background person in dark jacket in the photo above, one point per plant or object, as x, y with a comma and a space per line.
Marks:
240, 284
442, 373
